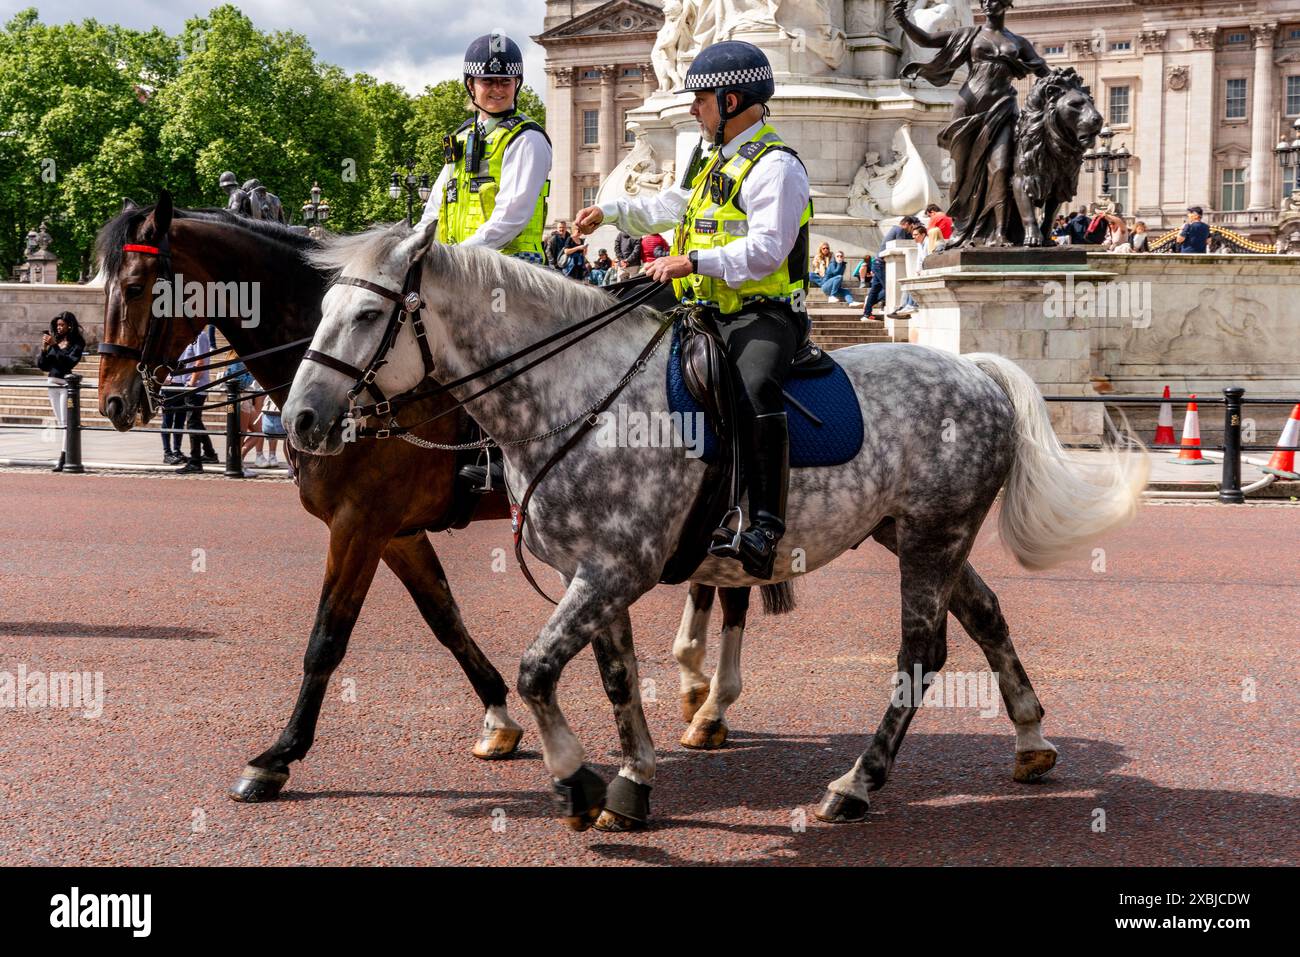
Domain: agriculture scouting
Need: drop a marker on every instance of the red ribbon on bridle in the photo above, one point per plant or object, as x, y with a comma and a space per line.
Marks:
138, 248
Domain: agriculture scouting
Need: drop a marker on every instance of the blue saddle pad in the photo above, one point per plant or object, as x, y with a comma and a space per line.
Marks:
830, 397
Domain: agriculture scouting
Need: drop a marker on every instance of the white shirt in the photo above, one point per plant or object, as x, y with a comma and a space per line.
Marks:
524, 170
774, 195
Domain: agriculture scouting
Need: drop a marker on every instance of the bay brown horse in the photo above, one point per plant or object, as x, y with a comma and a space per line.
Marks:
370, 515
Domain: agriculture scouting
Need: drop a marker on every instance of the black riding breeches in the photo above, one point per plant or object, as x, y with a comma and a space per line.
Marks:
761, 342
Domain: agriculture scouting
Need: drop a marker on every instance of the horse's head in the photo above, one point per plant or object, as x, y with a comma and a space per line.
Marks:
135, 257
355, 327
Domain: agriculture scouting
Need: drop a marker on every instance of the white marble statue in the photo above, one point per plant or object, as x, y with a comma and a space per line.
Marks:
671, 43
935, 16
900, 187
639, 172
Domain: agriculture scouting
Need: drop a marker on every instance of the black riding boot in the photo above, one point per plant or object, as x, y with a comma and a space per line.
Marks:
769, 467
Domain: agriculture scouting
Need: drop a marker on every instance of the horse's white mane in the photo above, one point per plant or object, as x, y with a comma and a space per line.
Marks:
465, 271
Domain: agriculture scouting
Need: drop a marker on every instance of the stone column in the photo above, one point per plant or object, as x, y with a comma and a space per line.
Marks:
1149, 122
871, 54
1203, 102
647, 80
1261, 119
559, 125
611, 125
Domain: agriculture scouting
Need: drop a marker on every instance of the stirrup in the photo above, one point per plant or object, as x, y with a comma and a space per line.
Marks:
725, 543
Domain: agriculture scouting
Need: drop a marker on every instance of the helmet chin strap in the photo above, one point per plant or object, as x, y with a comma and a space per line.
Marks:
514, 100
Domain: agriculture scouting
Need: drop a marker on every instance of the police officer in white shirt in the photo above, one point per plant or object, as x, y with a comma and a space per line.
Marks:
740, 251
494, 182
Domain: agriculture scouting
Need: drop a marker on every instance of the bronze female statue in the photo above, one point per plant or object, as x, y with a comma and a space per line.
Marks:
981, 137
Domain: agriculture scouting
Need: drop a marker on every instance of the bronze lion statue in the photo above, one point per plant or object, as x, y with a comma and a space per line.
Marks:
1058, 123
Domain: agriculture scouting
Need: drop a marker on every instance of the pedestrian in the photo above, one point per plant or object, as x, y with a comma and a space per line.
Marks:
574, 258
627, 250
1139, 240
936, 218
201, 448
555, 245
600, 267
925, 243
61, 349
617, 273
653, 246
817, 271
173, 419
833, 282
1194, 234
876, 294
274, 429
1078, 226
1117, 235
862, 272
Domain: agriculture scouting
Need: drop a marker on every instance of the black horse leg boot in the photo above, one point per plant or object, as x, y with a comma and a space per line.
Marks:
768, 481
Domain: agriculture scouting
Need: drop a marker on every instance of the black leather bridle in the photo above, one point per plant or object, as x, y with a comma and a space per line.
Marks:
406, 305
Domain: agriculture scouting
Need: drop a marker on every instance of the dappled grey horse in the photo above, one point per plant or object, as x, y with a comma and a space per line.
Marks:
944, 434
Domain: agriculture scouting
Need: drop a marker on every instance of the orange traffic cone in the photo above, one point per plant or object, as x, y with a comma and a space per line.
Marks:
1283, 462
1191, 450
1165, 423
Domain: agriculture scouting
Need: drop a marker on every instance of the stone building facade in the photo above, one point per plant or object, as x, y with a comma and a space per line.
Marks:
1200, 93
597, 68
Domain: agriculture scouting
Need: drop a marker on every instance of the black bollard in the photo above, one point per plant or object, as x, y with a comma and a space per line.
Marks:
234, 438
1230, 485
72, 434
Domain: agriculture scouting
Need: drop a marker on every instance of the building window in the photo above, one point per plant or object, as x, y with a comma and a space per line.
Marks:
1121, 45
1055, 50
1294, 34
1235, 101
588, 196
1290, 180
590, 127
1233, 198
1236, 37
1119, 193
1118, 112
629, 134
631, 71
1292, 95
590, 75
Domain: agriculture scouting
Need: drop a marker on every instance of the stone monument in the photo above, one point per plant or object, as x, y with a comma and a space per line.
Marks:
42, 265
839, 102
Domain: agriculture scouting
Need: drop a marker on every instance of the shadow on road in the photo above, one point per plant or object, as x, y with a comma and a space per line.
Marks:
85, 629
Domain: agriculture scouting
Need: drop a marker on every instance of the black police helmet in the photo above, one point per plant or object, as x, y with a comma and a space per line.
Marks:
493, 55
732, 66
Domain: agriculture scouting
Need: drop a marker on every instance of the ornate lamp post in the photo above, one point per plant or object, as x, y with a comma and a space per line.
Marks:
314, 212
1106, 159
413, 186
1288, 154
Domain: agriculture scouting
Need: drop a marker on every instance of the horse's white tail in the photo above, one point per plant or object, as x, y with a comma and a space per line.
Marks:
1053, 505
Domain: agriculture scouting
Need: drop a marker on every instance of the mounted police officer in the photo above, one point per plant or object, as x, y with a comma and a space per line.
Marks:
741, 251
495, 179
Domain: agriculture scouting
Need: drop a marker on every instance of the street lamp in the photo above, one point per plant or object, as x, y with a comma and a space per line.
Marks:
1106, 159
1288, 154
315, 212
413, 186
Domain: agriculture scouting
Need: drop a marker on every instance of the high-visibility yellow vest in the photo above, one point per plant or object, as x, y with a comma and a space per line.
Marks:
713, 218
471, 195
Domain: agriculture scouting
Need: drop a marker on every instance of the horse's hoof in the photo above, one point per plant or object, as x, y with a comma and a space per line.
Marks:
1032, 765
842, 809
627, 806
256, 785
692, 701
580, 798
706, 736
497, 743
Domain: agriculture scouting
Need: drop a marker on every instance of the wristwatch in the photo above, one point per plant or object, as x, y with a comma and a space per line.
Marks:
694, 257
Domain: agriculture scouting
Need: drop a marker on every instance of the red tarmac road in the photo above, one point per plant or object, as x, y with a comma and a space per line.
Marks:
1142, 665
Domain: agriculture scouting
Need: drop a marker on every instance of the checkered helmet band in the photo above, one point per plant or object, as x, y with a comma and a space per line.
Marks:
494, 67
727, 78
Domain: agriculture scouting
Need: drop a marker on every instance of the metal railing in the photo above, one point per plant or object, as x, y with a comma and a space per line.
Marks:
73, 463
1234, 399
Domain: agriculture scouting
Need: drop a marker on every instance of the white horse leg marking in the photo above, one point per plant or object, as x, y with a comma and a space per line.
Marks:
709, 728
689, 647
496, 717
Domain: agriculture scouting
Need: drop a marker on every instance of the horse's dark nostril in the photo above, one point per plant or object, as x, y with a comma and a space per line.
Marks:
304, 422
114, 407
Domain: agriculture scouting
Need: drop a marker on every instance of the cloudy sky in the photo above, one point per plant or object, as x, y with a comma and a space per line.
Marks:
410, 42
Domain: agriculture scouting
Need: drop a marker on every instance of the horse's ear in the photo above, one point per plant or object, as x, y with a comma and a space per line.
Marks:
417, 244
128, 203
160, 220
